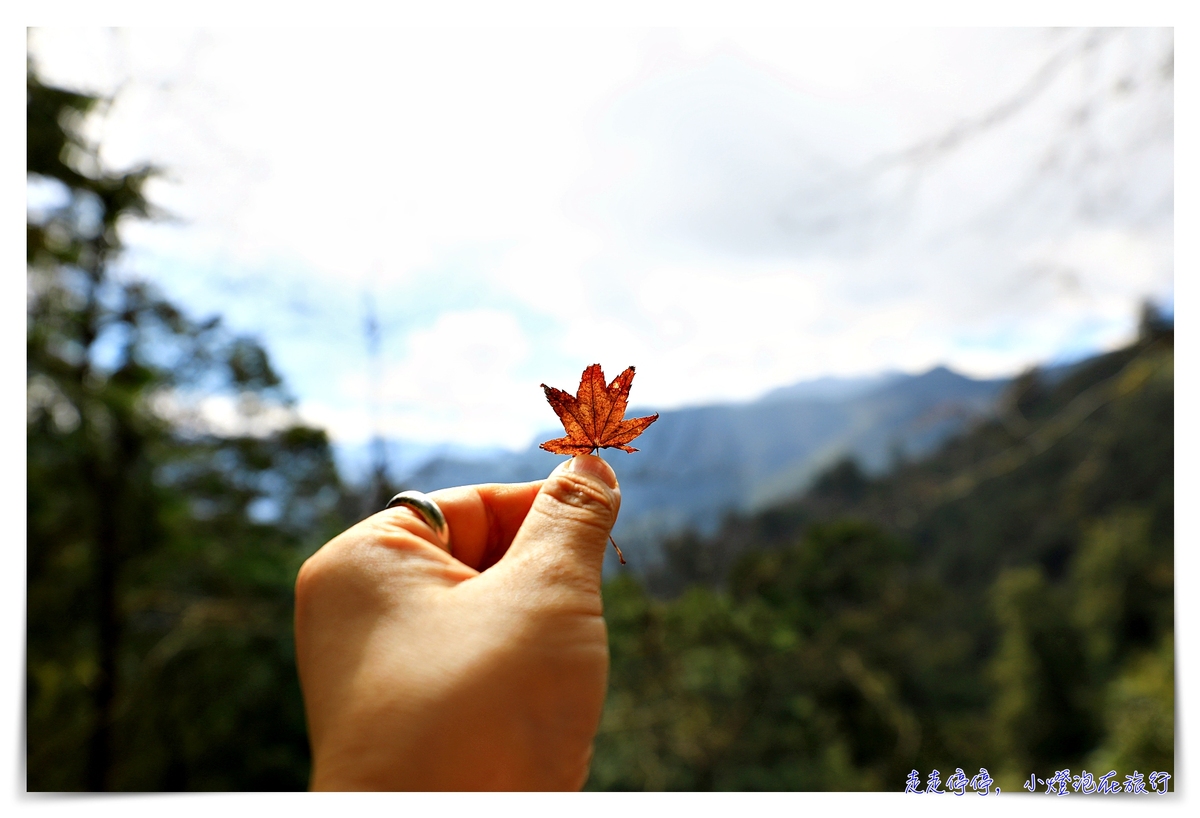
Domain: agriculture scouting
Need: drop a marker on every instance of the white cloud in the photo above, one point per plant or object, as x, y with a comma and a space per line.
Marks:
454, 381
238, 415
523, 203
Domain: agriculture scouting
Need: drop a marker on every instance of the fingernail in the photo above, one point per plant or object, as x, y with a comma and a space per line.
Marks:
590, 464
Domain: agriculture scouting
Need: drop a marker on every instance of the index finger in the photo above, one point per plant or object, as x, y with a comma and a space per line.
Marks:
484, 519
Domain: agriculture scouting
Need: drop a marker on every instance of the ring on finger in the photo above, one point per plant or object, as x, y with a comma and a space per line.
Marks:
427, 510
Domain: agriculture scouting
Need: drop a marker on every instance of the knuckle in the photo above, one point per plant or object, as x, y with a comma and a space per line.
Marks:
309, 574
586, 499
326, 568
313, 575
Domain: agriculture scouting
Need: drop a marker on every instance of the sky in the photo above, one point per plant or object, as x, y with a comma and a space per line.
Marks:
729, 210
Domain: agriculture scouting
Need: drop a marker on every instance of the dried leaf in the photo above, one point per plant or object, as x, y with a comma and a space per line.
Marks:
594, 418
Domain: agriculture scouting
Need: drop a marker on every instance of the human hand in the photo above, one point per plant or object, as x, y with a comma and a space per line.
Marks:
485, 670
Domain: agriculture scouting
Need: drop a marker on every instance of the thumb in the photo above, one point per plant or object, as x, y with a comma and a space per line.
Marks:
562, 541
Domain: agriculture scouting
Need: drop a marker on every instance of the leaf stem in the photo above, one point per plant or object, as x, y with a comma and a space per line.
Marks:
620, 556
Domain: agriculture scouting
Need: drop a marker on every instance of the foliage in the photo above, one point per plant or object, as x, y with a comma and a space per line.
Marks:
793, 680
594, 417
1005, 603
161, 549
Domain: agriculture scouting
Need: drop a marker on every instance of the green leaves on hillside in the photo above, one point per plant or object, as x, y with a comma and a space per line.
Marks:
798, 678
1021, 622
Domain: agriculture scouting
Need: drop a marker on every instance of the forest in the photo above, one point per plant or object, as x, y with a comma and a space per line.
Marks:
1005, 603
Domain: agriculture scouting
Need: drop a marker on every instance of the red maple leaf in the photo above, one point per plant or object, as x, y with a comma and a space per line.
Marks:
595, 417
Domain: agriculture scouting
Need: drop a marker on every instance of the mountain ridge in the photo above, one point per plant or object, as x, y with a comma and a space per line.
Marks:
697, 464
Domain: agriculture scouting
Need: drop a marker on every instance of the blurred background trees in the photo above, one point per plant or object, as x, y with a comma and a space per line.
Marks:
1006, 602
162, 548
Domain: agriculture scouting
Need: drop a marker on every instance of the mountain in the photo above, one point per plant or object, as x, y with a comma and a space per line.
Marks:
832, 388
1004, 602
698, 464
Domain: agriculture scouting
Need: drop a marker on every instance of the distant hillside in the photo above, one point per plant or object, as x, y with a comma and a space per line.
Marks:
1005, 602
698, 464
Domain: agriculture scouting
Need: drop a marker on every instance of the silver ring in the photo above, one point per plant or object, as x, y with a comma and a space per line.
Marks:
427, 510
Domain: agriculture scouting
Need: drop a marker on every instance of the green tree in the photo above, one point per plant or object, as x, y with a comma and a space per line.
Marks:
800, 676
161, 550
1044, 713
1006, 602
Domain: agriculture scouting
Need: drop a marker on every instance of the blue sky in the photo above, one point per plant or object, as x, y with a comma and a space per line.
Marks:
730, 211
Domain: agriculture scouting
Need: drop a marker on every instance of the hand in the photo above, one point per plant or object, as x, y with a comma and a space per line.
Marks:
485, 670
